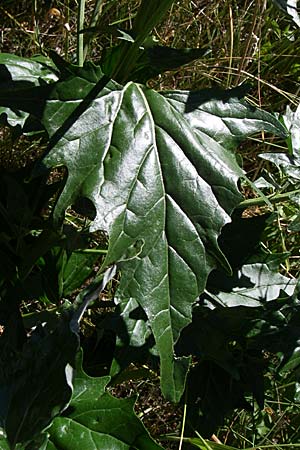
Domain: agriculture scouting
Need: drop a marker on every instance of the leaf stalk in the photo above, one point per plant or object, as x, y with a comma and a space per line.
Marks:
274, 198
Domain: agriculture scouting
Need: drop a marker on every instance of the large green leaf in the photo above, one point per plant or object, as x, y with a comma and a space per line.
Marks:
163, 187
96, 419
157, 208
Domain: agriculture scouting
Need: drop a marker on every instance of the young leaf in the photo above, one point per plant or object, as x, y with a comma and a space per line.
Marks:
123, 60
153, 60
149, 15
95, 419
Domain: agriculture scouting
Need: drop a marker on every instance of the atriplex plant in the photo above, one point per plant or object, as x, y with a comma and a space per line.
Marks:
159, 175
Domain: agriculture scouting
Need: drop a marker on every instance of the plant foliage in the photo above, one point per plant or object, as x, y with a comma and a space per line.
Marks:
160, 170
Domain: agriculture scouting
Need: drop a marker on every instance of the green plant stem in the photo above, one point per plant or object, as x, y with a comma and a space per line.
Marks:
259, 201
35, 24
93, 23
204, 442
80, 25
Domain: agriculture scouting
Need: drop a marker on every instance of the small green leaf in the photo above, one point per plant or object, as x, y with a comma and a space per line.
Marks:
289, 163
293, 362
156, 59
22, 72
97, 419
13, 118
31, 71
254, 285
4, 445
125, 36
76, 270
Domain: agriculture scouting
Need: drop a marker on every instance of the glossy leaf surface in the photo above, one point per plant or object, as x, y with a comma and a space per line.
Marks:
254, 285
20, 72
96, 419
159, 170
